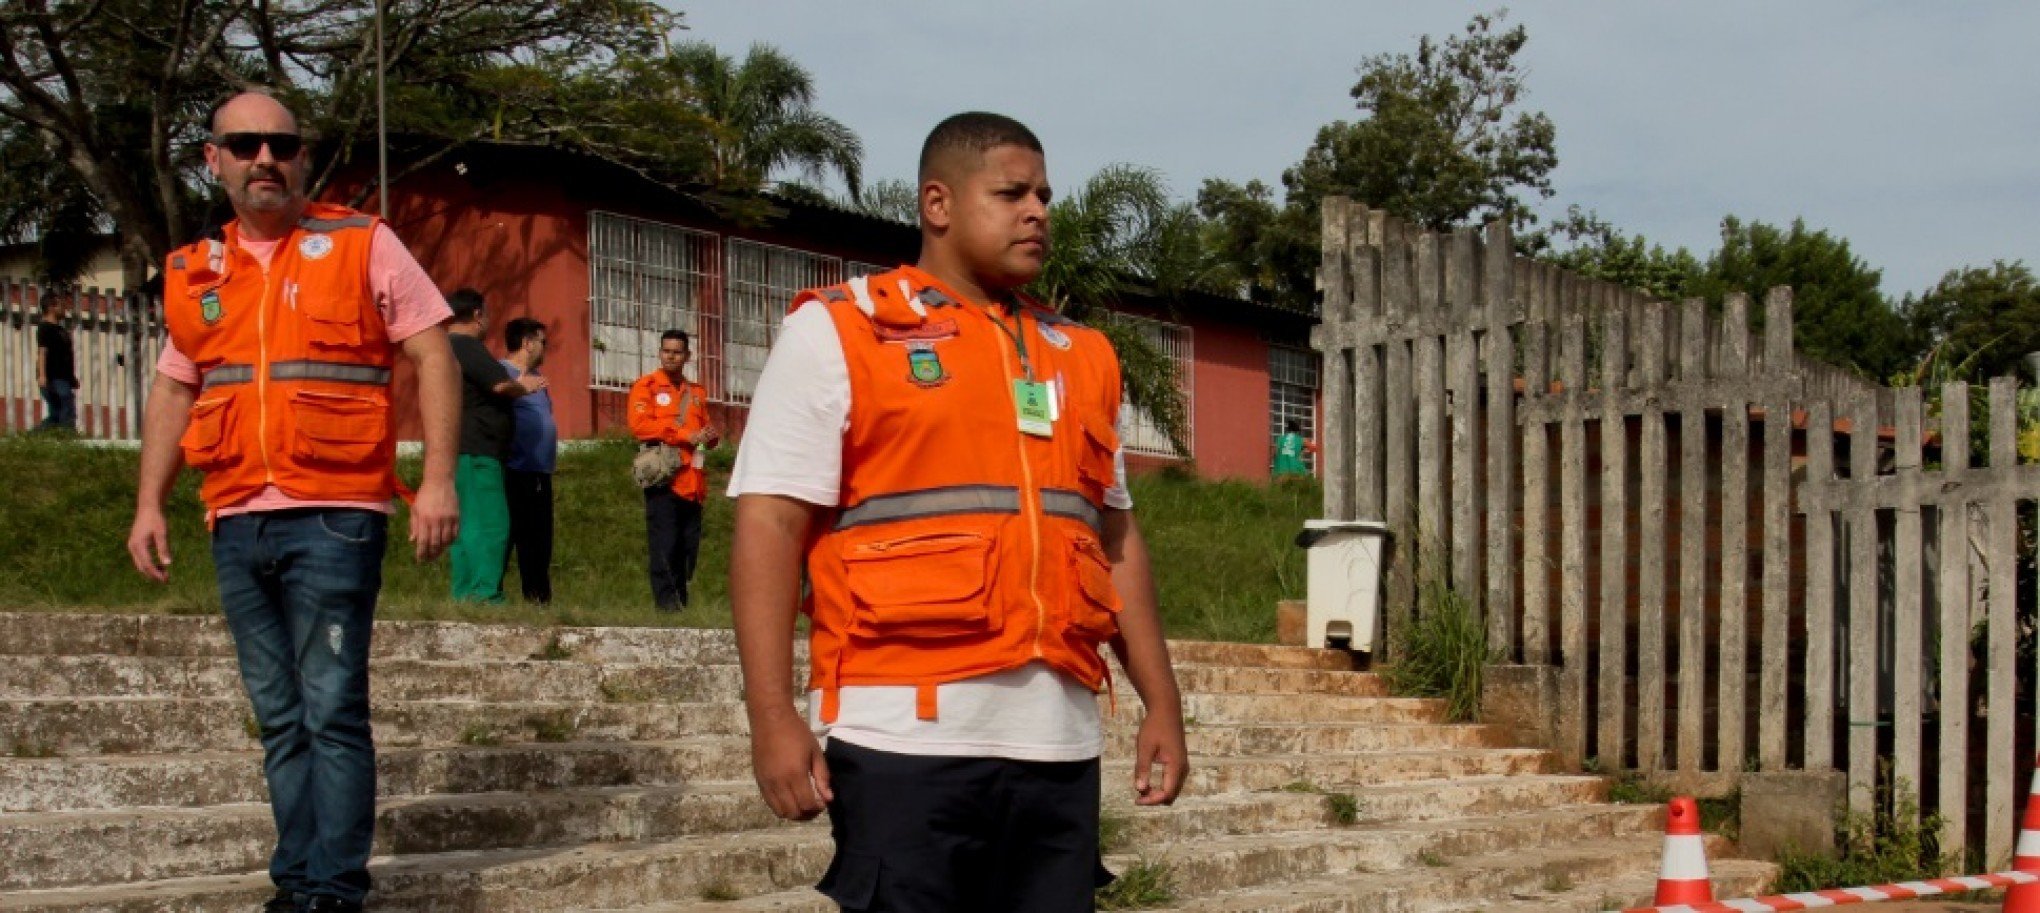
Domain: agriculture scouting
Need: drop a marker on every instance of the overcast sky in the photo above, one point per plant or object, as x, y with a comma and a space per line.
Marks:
1910, 128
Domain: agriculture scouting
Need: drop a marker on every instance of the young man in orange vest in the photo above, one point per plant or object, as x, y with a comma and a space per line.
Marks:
668, 409
284, 328
941, 454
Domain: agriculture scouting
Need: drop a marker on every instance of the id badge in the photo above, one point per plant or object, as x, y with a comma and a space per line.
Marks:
1035, 404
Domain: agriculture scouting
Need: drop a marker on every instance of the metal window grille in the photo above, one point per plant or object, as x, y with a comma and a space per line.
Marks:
1292, 390
855, 268
763, 280
1137, 430
645, 278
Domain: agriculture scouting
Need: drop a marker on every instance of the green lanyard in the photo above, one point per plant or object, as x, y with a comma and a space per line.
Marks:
1019, 337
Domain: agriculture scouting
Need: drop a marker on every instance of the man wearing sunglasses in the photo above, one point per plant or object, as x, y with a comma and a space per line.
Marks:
284, 328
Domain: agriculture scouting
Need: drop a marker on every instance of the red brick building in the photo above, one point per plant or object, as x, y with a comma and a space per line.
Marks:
608, 259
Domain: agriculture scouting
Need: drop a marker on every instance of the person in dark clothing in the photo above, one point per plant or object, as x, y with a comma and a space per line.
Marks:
534, 451
482, 550
56, 372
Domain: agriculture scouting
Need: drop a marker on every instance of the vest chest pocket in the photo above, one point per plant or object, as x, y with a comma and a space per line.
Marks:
926, 585
208, 442
330, 319
1095, 604
336, 428
1095, 459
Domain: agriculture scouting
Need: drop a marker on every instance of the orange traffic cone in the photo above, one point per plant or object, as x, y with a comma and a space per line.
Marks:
2025, 898
1683, 879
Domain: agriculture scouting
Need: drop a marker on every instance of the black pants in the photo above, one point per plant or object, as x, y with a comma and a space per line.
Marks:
673, 527
530, 496
920, 834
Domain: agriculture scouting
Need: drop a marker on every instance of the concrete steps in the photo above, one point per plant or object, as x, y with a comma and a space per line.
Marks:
553, 768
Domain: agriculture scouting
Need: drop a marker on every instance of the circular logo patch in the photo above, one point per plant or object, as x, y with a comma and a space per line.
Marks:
315, 246
1055, 337
664, 399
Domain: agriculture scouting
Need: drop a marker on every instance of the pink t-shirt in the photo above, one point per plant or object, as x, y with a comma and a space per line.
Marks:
410, 304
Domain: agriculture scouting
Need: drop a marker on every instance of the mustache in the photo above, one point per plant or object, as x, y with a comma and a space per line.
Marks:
263, 174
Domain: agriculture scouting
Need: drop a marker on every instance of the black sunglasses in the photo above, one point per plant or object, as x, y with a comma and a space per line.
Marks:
249, 145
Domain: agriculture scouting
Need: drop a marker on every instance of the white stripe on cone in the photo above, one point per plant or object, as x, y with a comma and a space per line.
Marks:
1685, 859
2028, 850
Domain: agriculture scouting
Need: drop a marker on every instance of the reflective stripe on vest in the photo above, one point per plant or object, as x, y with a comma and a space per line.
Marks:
336, 224
1070, 504
343, 372
933, 502
229, 374
339, 372
968, 499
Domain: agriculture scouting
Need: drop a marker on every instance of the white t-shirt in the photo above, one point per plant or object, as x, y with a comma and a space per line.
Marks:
793, 446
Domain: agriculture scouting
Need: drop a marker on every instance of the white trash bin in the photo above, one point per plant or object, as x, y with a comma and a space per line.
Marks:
1343, 582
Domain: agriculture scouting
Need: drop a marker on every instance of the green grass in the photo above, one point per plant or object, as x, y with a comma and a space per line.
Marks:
1144, 885
1896, 844
1442, 653
1223, 552
1343, 807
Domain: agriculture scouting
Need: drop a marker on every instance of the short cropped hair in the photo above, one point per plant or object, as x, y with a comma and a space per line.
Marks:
519, 330
677, 334
212, 114
975, 132
466, 303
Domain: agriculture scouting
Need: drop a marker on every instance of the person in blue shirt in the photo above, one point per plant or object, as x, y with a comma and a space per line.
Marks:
528, 473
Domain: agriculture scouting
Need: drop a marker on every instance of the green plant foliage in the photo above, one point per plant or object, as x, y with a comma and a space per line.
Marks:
1144, 885
1442, 652
1344, 808
1896, 843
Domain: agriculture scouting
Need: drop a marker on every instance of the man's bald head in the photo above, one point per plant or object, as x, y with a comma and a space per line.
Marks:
251, 111
958, 144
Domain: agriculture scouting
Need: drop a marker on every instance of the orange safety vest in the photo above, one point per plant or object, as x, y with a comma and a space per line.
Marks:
295, 361
675, 420
962, 546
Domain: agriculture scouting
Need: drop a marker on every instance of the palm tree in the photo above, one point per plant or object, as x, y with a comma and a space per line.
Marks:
1119, 229
762, 120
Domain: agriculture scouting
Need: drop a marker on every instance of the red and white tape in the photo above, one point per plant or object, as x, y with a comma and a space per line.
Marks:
1778, 903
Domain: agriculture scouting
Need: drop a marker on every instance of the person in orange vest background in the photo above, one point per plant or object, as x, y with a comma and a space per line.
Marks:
668, 410
284, 327
940, 453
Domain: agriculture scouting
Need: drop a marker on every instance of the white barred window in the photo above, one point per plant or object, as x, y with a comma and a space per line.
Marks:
763, 280
1292, 390
644, 278
1137, 431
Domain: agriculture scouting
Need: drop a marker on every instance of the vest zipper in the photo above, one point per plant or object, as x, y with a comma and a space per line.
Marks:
1030, 499
262, 378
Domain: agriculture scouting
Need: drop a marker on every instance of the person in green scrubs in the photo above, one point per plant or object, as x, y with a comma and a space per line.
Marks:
1293, 453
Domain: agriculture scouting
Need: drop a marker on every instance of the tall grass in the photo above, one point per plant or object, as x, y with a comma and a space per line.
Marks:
1223, 552
1442, 652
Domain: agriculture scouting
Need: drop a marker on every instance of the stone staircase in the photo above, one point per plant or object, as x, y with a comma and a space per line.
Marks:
541, 768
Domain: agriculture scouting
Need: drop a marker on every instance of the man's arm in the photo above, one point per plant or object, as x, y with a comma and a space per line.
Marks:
435, 513
647, 421
1146, 658
765, 565
42, 359
163, 421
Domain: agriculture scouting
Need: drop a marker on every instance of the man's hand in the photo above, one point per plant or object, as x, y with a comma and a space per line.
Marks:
149, 545
787, 760
532, 383
1160, 742
435, 519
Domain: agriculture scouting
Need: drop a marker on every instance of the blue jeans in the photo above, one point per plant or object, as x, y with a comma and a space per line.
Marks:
60, 405
298, 588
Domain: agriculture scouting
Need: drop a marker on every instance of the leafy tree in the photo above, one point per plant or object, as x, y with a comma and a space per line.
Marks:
102, 102
892, 199
761, 117
1839, 314
1597, 249
1989, 317
1261, 251
1442, 140
1119, 230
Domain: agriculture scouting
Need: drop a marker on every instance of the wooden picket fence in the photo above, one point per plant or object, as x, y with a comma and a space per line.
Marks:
117, 339
1649, 497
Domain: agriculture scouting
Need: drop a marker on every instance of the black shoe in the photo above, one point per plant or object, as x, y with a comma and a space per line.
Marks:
327, 903
283, 902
